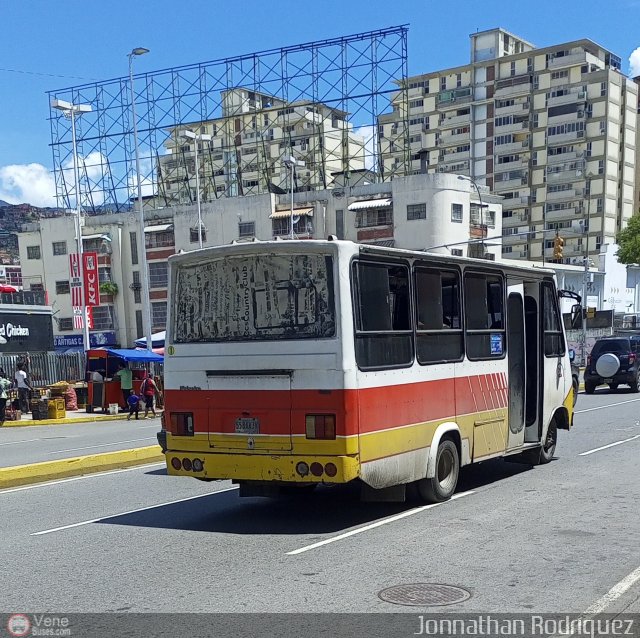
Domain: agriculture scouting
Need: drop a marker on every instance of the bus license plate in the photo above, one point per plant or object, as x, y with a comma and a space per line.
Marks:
608, 380
246, 425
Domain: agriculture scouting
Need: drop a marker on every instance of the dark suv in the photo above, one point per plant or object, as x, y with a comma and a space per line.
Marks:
613, 360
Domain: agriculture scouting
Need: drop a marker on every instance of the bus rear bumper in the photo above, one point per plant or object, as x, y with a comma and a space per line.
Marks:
262, 467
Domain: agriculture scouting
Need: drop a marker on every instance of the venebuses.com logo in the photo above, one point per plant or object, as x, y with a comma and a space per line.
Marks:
18, 625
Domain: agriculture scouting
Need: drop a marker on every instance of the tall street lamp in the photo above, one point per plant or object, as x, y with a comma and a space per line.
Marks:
198, 139
482, 206
70, 111
291, 163
146, 303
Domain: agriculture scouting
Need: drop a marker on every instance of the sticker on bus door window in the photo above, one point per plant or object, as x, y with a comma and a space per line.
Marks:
496, 344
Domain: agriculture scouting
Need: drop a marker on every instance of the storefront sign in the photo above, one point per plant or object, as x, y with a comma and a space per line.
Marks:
26, 332
96, 340
91, 283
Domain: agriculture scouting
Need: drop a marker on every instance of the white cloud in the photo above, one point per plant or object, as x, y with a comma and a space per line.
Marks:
370, 142
634, 63
27, 183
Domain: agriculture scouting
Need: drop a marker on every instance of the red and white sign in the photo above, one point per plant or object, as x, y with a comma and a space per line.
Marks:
76, 281
91, 283
90, 317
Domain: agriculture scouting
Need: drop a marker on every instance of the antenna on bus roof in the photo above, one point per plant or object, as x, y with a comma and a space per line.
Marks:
332, 238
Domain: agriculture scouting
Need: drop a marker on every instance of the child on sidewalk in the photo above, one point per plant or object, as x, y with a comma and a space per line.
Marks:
133, 401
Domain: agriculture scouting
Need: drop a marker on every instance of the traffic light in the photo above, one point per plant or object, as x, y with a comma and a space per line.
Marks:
558, 245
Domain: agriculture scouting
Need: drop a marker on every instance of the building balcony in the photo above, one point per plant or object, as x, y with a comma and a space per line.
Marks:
516, 127
515, 220
452, 140
454, 157
513, 89
566, 137
515, 202
562, 176
514, 109
513, 147
510, 184
519, 237
457, 120
569, 98
511, 166
566, 214
454, 97
516, 254
560, 196
568, 60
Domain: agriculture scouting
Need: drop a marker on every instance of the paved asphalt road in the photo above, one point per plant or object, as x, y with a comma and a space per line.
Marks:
32, 444
555, 538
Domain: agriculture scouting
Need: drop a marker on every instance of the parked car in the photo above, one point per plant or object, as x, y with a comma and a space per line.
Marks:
613, 361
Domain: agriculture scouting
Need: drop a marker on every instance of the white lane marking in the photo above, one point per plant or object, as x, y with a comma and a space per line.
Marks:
140, 509
89, 447
80, 478
615, 592
14, 442
604, 407
384, 521
604, 447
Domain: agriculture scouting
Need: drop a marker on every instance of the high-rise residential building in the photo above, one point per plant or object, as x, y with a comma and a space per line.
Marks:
552, 130
247, 146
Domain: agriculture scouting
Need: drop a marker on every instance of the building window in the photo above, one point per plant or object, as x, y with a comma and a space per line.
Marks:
456, 213
375, 217
603, 89
340, 224
62, 288
600, 167
443, 84
65, 324
458, 80
59, 247
246, 229
133, 240
139, 329
414, 104
416, 211
158, 274
159, 314
512, 70
599, 204
193, 235
33, 252
103, 318
136, 287
163, 239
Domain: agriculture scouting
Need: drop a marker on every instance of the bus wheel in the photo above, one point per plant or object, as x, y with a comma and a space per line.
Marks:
549, 446
442, 486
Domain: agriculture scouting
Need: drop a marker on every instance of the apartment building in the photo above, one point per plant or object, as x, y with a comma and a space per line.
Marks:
437, 212
552, 130
247, 146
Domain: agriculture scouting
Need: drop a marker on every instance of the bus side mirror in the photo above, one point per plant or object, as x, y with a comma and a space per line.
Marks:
576, 316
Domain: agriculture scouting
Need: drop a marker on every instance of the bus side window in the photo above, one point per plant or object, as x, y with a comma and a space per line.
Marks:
484, 316
439, 333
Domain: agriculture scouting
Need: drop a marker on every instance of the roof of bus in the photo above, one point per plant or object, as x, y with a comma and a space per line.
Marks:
318, 245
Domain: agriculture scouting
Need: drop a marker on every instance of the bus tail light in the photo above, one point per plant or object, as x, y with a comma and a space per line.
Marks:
198, 465
176, 463
186, 465
302, 468
316, 469
330, 470
632, 358
182, 423
320, 426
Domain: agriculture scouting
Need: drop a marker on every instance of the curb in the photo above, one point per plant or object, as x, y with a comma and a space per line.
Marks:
90, 418
77, 466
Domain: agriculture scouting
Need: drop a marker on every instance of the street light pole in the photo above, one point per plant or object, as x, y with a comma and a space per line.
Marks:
292, 162
144, 278
69, 110
470, 179
197, 139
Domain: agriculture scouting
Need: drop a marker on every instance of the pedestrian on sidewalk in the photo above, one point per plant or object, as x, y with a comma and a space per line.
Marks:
24, 388
126, 381
5, 384
149, 390
133, 401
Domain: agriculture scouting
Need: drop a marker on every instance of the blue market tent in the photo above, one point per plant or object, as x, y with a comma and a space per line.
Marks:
157, 340
141, 356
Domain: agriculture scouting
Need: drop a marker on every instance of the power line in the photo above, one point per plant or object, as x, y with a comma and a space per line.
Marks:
49, 75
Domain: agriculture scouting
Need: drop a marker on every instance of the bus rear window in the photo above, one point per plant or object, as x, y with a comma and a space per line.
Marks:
254, 298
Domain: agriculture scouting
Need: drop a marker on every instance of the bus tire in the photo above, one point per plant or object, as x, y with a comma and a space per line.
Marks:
548, 448
634, 385
589, 388
441, 487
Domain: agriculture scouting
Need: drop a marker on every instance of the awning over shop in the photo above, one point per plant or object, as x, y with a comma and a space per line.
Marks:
366, 204
157, 340
280, 214
97, 236
160, 228
133, 355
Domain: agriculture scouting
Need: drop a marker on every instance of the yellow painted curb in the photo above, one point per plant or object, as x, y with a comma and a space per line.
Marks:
90, 418
77, 466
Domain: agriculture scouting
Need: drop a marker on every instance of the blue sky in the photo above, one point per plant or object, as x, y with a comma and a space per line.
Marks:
48, 45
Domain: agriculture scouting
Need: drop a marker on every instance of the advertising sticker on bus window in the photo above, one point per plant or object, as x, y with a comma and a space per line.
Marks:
496, 344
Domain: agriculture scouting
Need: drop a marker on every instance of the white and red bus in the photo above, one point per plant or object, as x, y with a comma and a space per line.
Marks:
294, 363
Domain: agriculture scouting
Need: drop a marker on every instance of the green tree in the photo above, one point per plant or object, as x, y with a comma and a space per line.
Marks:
629, 242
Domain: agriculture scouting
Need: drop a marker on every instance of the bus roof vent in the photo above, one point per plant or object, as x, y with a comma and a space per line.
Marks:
332, 238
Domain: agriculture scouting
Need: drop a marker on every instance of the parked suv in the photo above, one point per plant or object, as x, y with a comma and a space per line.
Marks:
613, 360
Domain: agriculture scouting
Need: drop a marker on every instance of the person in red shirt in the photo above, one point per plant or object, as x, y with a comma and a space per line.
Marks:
149, 390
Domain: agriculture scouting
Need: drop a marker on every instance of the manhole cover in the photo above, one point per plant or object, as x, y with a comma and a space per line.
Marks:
424, 594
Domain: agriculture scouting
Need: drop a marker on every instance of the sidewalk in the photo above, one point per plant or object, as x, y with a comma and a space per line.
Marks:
77, 416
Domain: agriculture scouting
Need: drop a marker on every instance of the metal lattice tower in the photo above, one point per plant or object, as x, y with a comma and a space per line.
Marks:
318, 101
